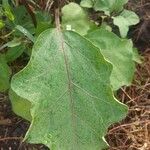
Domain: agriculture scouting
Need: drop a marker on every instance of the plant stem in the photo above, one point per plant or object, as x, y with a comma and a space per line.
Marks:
57, 19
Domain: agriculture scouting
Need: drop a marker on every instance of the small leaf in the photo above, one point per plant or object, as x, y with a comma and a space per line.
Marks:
23, 18
87, 3
42, 26
118, 52
105, 26
125, 20
5, 73
44, 22
2, 24
9, 14
108, 6
75, 17
69, 90
7, 10
136, 57
25, 32
13, 53
15, 42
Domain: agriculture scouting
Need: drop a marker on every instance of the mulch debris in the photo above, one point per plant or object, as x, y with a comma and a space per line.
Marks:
133, 133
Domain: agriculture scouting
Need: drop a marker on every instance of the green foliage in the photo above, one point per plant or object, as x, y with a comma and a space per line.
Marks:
87, 3
76, 19
15, 42
20, 106
69, 89
118, 52
25, 32
13, 53
5, 73
108, 6
23, 18
7, 10
44, 21
1, 24
124, 20
136, 57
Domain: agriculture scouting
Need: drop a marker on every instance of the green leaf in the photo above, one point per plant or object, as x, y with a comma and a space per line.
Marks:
1, 11
136, 57
67, 83
7, 10
2, 24
25, 32
44, 22
20, 106
5, 74
108, 6
105, 26
42, 26
125, 20
76, 19
15, 42
118, 52
14, 52
87, 3
23, 18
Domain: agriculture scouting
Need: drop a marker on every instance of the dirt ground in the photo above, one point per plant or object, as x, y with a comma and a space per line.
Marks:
132, 133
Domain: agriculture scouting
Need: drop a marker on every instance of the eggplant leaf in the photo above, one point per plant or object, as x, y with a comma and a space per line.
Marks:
108, 6
119, 52
75, 18
67, 83
20, 106
125, 20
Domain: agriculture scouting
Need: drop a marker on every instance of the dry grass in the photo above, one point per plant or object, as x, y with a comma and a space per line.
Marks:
133, 133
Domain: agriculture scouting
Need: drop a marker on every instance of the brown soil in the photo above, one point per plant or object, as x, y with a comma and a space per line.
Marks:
133, 133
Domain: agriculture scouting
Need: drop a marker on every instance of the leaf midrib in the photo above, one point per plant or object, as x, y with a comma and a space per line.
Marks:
69, 87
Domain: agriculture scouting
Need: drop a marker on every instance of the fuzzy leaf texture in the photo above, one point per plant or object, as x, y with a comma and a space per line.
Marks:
75, 18
119, 52
20, 106
125, 20
67, 83
108, 6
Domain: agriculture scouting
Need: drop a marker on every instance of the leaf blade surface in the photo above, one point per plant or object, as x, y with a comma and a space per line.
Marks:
68, 87
119, 52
